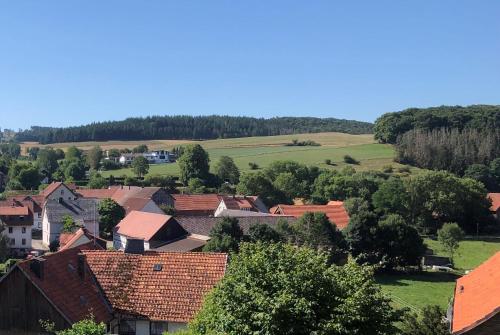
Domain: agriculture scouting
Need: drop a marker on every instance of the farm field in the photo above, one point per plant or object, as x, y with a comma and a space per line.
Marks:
264, 150
436, 288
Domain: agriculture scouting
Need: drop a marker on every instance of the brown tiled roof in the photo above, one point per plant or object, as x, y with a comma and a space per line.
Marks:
13, 210
477, 296
239, 202
67, 240
192, 203
202, 225
335, 212
175, 293
62, 285
495, 201
142, 224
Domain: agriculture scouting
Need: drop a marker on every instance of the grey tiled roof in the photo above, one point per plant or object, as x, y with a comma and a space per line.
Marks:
81, 209
201, 225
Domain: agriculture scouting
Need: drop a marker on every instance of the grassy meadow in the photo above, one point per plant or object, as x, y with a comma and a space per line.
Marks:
266, 149
415, 291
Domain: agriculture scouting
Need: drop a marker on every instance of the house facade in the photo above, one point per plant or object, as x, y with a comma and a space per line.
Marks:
155, 230
17, 221
240, 203
82, 210
67, 286
495, 205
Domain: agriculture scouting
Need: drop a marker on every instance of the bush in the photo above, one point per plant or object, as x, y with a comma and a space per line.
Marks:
387, 169
253, 166
350, 160
328, 161
404, 169
108, 164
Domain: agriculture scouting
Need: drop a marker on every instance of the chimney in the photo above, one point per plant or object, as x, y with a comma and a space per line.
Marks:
134, 246
37, 266
80, 269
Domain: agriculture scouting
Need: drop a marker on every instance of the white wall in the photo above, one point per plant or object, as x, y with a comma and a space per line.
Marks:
222, 206
37, 221
62, 192
18, 236
120, 242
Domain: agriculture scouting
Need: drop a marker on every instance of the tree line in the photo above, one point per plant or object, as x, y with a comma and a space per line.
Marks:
191, 127
448, 149
390, 126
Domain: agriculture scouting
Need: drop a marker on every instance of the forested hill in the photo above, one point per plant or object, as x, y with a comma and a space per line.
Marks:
193, 128
390, 126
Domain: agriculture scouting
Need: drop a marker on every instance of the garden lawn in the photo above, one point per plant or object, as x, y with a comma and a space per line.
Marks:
471, 253
436, 288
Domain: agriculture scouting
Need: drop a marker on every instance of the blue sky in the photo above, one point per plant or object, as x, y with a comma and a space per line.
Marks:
74, 62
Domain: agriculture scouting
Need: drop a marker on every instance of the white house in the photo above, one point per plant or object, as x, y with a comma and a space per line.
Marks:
240, 203
83, 211
153, 157
18, 223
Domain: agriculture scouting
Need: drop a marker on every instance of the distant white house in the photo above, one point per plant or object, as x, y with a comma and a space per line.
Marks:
153, 157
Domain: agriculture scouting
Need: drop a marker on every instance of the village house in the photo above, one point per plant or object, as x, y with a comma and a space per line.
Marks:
154, 230
77, 238
495, 204
83, 211
17, 222
214, 204
153, 157
132, 292
334, 210
131, 198
475, 309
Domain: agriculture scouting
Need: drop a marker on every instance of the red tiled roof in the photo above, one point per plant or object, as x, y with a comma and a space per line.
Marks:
335, 212
96, 193
142, 224
477, 296
53, 186
238, 202
196, 202
14, 210
173, 294
495, 201
61, 284
66, 240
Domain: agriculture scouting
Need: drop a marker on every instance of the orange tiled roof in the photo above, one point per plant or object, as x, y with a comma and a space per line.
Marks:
173, 294
14, 210
66, 240
196, 202
335, 212
495, 201
239, 202
53, 186
477, 296
142, 224
62, 285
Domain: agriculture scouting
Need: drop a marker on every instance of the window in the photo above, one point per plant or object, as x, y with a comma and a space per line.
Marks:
10, 230
23, 230
21, 218
127, 327
158, 328
39, 215
62, 192
12, 241
23, 241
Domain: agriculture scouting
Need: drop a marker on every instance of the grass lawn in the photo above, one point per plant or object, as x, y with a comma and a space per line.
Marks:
415, 291
436, 288
471, 252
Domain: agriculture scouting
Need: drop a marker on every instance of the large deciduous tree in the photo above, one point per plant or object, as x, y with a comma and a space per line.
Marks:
194, 163
281, 289
140, 166
110, 214
94, 157
225, 236
227, 170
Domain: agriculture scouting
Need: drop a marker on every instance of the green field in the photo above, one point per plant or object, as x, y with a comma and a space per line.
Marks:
264, 150
436, 288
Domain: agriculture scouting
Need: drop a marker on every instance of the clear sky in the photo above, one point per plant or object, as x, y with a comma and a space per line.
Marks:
74, 62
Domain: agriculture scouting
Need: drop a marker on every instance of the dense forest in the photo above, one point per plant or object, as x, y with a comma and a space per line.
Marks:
191, 127
390, 126
448, 149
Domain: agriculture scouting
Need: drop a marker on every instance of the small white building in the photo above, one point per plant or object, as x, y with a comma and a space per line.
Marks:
241, 204
17, 223
153, 157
